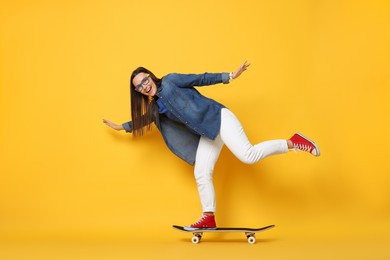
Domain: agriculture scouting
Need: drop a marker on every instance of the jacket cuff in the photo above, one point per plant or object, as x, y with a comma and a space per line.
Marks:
225, 78
128, 127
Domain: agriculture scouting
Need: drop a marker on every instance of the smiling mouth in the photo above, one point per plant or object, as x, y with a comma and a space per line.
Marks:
147, 91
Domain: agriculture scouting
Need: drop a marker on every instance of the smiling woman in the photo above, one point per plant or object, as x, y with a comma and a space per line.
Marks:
195, 128
146, 86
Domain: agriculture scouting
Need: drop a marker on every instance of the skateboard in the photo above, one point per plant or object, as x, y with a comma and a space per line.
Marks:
249, 232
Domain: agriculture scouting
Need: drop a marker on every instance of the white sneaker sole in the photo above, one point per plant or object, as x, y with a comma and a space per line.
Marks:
194, 229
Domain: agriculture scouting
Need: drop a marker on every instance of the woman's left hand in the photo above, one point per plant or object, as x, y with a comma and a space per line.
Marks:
240, 70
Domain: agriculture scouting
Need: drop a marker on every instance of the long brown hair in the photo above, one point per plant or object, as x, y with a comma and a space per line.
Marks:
143, 108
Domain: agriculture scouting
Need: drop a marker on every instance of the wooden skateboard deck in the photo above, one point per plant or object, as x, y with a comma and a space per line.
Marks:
249, 232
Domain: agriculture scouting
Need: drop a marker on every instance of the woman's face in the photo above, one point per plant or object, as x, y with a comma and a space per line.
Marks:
144, 84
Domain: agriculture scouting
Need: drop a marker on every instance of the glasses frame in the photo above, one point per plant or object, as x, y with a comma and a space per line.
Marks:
144, 82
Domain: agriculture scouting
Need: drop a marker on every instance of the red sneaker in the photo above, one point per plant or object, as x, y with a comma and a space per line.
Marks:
206, 221
302, 143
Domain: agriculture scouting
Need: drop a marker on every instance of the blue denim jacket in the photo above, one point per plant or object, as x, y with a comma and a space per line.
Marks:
195, 115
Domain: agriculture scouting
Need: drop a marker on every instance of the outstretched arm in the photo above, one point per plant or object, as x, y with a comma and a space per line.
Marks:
205, 79
113, 125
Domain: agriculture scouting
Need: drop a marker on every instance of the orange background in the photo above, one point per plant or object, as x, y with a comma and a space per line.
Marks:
318, 67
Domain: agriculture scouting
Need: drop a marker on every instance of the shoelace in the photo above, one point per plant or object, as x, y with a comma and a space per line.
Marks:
302, 147
200, 220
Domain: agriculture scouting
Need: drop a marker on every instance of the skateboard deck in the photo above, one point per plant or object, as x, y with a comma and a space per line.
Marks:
249, 232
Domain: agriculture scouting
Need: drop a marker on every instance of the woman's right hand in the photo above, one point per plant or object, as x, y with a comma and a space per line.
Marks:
113, 125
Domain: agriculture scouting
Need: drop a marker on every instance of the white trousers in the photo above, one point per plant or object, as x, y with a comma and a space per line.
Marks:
233, 136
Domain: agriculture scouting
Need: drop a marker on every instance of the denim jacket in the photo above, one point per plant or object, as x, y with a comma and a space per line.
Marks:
195, 115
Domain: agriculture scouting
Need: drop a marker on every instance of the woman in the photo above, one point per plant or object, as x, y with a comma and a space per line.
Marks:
195, 127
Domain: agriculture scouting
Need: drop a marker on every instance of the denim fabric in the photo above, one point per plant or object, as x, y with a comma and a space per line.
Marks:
190, 114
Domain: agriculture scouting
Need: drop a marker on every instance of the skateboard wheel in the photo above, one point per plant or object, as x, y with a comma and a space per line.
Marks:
251, 240
195, 239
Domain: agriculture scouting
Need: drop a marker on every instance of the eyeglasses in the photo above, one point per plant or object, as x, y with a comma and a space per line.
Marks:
144, 82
